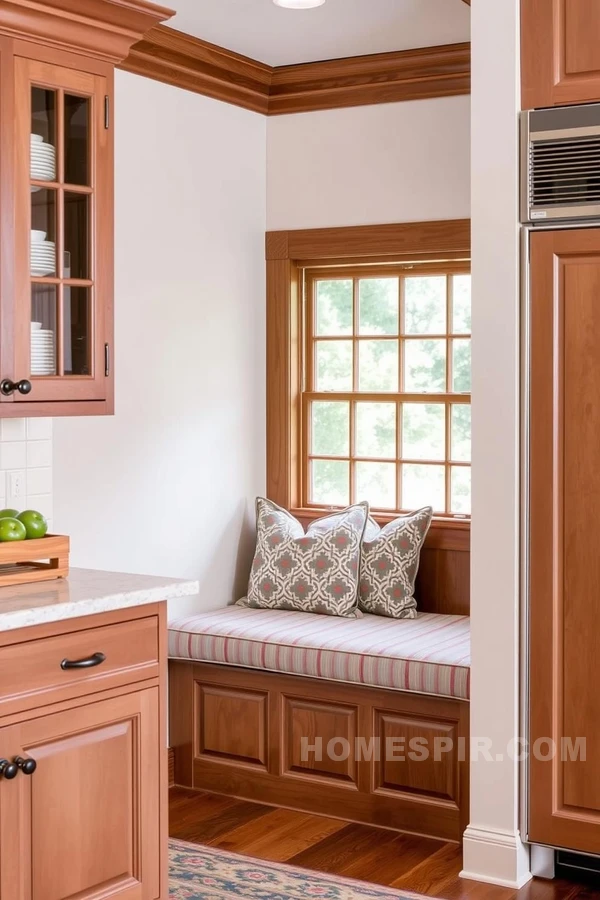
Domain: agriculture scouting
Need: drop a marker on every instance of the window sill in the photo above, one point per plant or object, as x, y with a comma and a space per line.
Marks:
444, 534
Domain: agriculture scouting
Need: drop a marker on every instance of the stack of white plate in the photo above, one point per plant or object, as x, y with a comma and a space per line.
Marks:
43, 159
43, 255
43, 354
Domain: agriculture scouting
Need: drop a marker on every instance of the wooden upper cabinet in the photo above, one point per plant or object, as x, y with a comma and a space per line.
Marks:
560, 52
56, 200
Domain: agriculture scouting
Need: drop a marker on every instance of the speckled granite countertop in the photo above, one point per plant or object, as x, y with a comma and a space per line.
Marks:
84, 593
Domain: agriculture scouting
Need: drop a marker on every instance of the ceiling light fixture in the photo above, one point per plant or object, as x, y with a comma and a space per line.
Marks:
299, 4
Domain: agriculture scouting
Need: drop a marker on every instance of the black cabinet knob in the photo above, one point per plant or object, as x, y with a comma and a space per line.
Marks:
8, 769
27, 766
8, 387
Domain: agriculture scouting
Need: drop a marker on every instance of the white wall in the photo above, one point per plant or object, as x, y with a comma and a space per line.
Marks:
369, 165
492, 848
167, 485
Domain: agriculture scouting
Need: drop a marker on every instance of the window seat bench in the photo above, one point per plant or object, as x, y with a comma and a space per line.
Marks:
427, 655
364, 719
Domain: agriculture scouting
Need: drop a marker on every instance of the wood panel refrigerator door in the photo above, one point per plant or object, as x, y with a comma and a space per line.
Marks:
86, 823
560, 52
565, 538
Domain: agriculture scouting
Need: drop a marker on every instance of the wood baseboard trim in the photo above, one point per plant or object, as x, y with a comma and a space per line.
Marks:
183, 61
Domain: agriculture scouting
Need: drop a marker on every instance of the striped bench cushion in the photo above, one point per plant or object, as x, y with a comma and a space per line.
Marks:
427, 655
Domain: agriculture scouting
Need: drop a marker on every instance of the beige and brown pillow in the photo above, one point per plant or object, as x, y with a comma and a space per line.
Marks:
314, 571
390, 562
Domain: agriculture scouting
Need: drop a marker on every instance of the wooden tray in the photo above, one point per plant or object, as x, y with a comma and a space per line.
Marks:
41, 559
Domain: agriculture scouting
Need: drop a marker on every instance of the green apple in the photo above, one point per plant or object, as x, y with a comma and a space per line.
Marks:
34, 522
12, 530
9, 513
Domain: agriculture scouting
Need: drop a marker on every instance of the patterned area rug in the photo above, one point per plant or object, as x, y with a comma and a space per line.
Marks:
204, 873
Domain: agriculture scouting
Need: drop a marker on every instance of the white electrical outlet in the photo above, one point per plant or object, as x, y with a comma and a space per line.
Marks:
15, 488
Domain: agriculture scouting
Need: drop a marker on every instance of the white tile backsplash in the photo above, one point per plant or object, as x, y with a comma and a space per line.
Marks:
13, 455
42, 503
39, 453
39, 481
38, 429
26, 444
13, 429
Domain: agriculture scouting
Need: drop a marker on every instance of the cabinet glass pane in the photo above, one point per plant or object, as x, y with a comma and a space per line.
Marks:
43, 114
43, 232
43, 329
77, 139
76, 331
76, 235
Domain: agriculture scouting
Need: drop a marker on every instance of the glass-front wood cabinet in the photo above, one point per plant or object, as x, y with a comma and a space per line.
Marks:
63, 233
56, 202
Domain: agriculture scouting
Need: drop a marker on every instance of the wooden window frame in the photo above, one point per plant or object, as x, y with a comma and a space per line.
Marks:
288, 253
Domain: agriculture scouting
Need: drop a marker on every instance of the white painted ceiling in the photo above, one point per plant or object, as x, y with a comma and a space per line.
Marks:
277, 36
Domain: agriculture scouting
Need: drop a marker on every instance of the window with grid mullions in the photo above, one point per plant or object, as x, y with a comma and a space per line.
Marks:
386, 405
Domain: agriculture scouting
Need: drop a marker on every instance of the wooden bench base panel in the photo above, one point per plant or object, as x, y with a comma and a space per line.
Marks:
381, 757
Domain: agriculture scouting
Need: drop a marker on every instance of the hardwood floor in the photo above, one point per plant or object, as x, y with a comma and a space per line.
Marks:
417, 864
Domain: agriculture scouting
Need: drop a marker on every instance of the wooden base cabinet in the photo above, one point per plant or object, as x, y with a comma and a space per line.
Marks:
90, 820
564, 539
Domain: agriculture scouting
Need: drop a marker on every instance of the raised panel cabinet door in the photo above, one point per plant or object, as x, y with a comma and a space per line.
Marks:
63, 233
86, 823
564, 539
560, 52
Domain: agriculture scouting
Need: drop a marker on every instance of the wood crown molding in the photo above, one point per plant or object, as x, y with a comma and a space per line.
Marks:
379, 78
104, 29
184, 61
187, 62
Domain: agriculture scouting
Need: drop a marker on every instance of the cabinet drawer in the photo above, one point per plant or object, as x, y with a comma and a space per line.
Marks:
31, 673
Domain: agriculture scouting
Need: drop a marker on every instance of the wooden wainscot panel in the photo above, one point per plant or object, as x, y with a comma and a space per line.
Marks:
241, 709
430, 769
231, 724
329, 730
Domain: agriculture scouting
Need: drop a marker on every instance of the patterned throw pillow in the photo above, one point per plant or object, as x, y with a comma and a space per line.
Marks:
390, 561
316, 571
